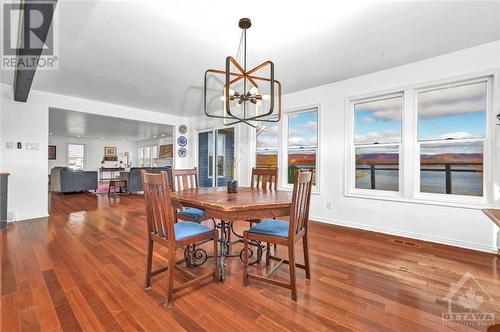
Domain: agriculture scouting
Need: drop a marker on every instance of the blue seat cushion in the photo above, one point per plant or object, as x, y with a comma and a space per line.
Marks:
271, 227
187, 229
192, 213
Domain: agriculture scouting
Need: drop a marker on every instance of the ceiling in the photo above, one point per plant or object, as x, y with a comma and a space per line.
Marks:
86, 125
153, 54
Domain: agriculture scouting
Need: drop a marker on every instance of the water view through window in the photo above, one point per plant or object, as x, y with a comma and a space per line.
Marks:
451, 132
377, 127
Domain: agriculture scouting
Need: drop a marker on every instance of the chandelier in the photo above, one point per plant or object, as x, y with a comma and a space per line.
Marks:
244, 96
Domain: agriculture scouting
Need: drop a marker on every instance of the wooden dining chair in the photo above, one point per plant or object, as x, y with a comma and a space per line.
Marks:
264, 178
286, 234
187, 179
163, 229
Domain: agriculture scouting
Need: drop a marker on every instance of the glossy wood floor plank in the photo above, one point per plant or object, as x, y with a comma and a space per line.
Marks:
83, 268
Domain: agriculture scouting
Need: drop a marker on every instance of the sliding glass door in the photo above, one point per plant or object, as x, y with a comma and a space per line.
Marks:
215, 151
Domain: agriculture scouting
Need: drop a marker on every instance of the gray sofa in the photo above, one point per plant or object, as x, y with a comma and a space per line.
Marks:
133, 177
66, 180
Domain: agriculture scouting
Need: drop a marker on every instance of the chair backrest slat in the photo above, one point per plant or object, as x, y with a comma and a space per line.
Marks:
159, 211
185, 179
301, 198
265, 178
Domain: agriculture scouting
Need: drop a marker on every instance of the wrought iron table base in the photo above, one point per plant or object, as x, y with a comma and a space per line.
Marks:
198, 256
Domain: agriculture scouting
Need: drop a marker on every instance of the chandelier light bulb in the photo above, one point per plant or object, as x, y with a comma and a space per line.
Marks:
222, 98
266, 97
231, 92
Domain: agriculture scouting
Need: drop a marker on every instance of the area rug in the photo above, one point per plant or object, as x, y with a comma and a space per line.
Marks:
102, 188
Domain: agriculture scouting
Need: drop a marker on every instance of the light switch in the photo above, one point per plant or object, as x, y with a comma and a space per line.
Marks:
9, 145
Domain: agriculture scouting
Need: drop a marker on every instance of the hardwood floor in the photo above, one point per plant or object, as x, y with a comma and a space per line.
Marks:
83, 269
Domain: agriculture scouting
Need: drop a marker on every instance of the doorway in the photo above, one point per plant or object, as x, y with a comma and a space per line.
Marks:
215, 155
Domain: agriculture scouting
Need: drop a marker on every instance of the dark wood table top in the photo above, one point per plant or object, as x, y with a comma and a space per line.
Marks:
246, 198
494, 215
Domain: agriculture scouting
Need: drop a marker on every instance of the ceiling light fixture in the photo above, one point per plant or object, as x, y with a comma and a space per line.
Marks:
242, 92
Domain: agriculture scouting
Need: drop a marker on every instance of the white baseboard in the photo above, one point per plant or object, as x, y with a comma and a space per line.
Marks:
30, 216
417, 236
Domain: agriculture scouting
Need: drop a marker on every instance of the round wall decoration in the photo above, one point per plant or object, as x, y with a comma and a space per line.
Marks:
183, 129
182, 152
182, 141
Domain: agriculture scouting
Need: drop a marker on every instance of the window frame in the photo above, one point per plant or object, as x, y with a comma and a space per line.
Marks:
486, 140
151, 157
283, 146
353, 146
410, 155
84, 155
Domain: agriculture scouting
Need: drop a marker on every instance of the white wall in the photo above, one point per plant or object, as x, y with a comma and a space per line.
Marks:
28, 122
468, 228
94, 151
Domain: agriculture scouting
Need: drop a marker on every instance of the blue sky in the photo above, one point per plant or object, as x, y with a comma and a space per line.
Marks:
302, 131
456, 112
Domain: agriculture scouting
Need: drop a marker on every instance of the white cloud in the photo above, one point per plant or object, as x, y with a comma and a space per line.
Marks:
368, 119
388, 136
386, 109
310, 125
458, 134
452, 101
295, 141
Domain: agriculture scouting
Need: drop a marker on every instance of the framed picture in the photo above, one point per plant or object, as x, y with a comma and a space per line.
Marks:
109, 151
52, 152
166, 151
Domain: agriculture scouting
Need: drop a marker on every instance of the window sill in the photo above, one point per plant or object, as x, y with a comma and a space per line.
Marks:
423, 201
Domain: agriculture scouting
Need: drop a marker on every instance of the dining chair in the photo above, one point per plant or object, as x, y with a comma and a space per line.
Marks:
187, 179
265, 178
286, 234
163, 229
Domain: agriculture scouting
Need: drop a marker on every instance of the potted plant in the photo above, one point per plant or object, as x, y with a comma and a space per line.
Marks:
229, 169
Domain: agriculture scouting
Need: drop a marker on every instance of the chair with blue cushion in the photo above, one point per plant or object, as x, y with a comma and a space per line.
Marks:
185, 179
163, 229
284, 233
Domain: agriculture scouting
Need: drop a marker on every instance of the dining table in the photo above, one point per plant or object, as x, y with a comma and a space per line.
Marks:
227, 208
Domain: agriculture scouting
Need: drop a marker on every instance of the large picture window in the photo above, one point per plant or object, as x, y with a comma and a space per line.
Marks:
451, 135
423, 143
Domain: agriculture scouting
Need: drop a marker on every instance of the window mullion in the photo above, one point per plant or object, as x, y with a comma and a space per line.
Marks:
408, 153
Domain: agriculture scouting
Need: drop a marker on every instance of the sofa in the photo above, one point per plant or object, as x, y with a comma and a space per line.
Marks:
133, 177
67, 180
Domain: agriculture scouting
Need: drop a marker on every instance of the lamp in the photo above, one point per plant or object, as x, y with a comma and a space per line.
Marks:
242, 92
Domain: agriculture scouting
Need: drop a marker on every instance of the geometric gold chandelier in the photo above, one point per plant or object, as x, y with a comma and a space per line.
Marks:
243, 96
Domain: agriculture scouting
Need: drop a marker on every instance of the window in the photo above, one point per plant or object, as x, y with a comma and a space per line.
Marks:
451, 137
76, 156
428, 143
267, 145
377, 143
302, 142
146, 155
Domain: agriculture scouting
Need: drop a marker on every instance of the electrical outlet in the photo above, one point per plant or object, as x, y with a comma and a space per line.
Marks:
11, 216
328, 205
